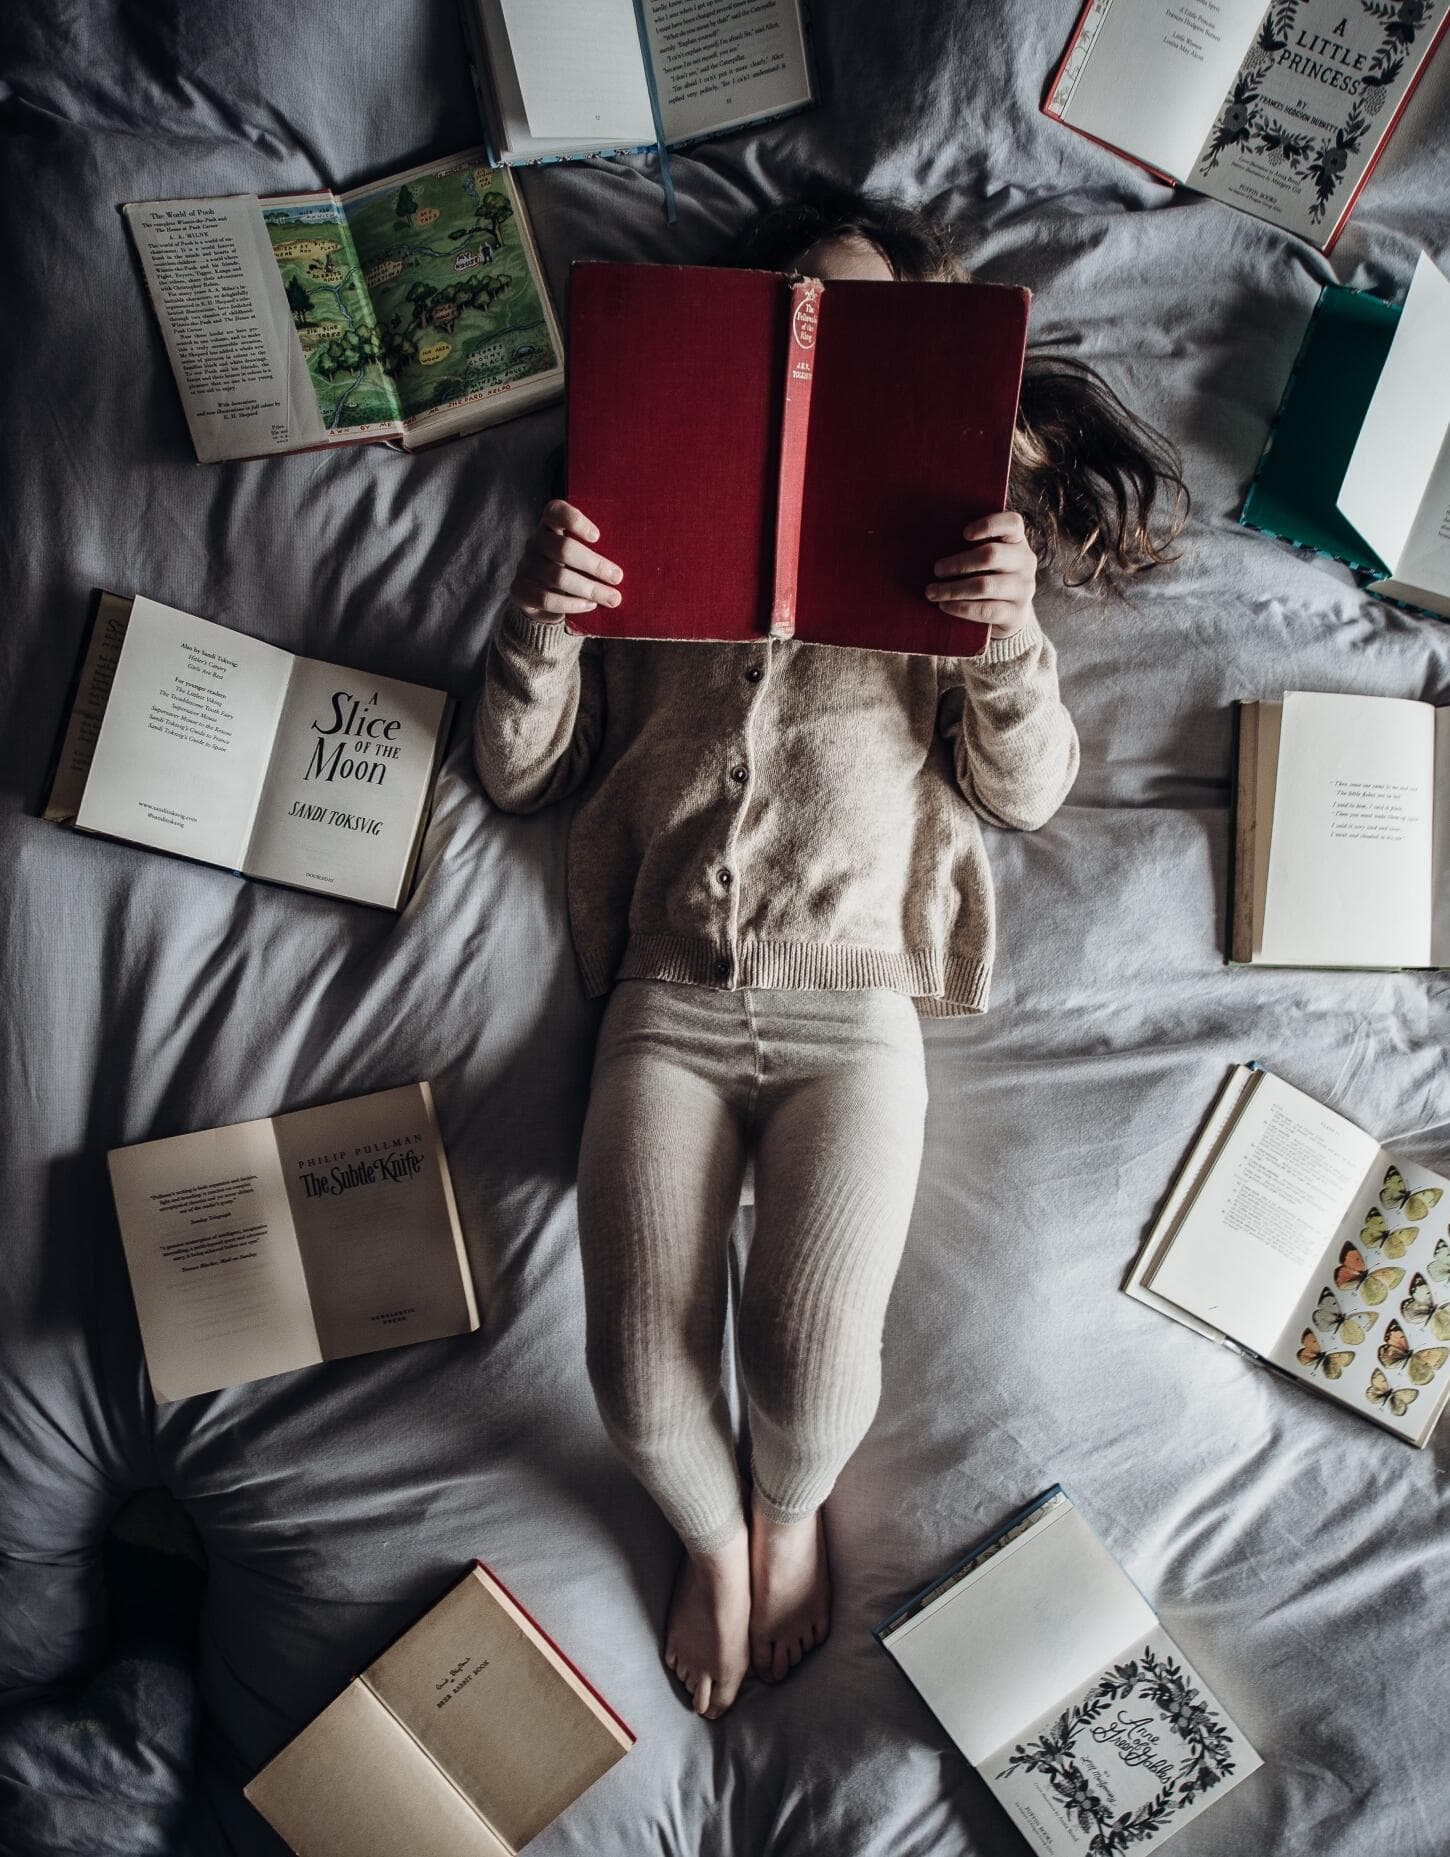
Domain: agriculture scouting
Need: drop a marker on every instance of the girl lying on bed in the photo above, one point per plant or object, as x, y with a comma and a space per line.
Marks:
771, 777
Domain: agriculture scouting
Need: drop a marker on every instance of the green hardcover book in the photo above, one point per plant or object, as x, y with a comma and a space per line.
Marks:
1358, 461
1294, 495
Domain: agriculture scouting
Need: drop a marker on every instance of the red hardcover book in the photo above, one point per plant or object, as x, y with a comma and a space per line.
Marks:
774, 456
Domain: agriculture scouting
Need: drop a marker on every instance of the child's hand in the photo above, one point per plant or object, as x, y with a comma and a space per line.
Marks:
559, 572
993, 582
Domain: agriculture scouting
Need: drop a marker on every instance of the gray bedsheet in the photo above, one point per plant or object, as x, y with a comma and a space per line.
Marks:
1299, 1556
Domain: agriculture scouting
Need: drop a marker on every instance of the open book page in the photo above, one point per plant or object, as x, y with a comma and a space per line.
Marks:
228, 330
355, 1783
1396, 490
462, 310
1285, 1176
1302, 118
88, 709
580, 69
1031, 1620
498, 1714
1440, 858
1148, 76
1422, 576
213, 1258
1194, 1171
332, 315
1372, 1325
348, 783
376, 1225
718, 64
1350, 855
182, 753
1143, 1741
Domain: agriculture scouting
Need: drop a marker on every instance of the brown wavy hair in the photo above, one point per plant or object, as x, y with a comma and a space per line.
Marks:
1100, 490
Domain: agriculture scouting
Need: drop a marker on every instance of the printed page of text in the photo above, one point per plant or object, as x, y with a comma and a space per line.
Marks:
183, 750
213, 1257
1350, 856
580, 69
376, 1223
1400, 457
1155, 75
722, 62
1033, 1623
1259, 1224
1127, 1754
227, 326
348, 781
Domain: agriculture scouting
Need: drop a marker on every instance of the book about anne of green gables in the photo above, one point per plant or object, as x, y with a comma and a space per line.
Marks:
408, 310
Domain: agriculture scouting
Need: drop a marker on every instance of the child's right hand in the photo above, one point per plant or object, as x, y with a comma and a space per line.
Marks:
559, 572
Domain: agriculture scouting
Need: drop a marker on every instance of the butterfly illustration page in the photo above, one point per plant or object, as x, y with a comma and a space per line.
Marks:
1372, 1328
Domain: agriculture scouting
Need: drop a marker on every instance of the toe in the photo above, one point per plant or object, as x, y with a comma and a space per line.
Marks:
760, 1658
795, 1653
702, 1696
779, 1662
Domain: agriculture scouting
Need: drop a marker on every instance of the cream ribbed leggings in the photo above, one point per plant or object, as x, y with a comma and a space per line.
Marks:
829, 1090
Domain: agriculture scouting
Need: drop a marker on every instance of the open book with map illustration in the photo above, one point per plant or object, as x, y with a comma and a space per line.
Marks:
271, 1245
464, 1739
411, 309
1280, 111
1050, 1671
1342, 833
187, 737
1296, 1238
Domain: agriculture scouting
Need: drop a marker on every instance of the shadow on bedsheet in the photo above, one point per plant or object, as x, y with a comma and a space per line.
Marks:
103, 1766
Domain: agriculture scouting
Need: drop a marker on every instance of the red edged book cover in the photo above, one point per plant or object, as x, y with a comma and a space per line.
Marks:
685, 446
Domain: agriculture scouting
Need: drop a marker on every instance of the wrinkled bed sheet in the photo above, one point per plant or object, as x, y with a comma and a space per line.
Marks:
1300, 1557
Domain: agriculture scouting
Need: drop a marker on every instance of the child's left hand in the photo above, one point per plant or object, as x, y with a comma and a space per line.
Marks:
994, 580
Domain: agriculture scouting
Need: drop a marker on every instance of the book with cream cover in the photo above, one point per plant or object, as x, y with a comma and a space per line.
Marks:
1357, 465
1281, 111
186, 736
269, 1245
408, 310
717, 420
559, 80
1294, 1237
1051, 1673
464, 1739
1341, 833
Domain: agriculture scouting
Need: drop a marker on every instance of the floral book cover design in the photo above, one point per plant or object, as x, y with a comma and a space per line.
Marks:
1051, 1673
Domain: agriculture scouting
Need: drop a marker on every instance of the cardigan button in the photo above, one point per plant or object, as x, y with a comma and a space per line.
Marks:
722, 968
754, 674
724, 878
740, 775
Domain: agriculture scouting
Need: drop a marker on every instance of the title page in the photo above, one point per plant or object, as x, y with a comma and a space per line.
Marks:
350, 775
1304, 114
376, 1224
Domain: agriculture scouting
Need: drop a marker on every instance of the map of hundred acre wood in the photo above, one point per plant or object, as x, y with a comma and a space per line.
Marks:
410, 297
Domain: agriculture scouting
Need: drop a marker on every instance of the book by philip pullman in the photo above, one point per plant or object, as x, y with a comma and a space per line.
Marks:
466, 1738
185, 736
1050, 1671
276, 1244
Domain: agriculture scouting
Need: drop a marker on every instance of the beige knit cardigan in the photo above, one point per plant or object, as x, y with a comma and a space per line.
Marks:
777, 814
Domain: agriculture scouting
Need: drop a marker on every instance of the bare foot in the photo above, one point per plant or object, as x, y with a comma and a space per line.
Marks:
707, 1637
790, 1593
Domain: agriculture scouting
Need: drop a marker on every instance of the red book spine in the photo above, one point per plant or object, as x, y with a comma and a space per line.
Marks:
795, 416
563, 1656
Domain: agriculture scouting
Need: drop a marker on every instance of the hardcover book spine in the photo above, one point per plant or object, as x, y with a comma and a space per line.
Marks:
795, 417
